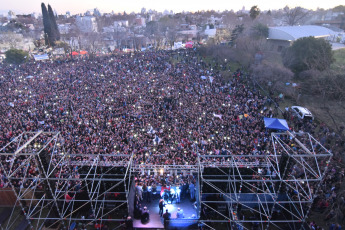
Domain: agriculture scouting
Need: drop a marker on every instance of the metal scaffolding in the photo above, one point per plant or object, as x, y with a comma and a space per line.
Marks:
273, 189
56, 188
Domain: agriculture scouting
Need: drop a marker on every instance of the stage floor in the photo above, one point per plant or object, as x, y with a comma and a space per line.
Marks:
155, 220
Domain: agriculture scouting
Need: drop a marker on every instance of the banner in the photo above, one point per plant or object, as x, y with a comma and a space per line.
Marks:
189, 44
177, 45
218, 116
41, 57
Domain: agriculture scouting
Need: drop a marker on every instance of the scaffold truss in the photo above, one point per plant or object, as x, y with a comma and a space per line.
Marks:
56, 188
272, 189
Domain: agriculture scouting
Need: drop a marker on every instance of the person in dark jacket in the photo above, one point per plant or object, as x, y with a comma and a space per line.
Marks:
161, 206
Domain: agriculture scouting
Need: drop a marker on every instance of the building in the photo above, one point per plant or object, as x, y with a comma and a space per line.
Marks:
283, 36
11, 15
214, 20
86, 24
210, 33
64, 28
188, 32
140, 21
122, 23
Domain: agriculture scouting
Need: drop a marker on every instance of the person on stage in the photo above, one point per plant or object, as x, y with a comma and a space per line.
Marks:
166, 217
145, 215
192, 190
179, 213
178, 194
161, 206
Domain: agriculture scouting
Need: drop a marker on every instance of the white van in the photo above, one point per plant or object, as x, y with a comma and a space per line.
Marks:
302, 113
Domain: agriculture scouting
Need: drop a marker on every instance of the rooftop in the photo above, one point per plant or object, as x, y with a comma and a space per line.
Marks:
292, 33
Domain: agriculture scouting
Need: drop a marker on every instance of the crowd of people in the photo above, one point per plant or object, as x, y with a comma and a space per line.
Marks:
133, 103
164, 112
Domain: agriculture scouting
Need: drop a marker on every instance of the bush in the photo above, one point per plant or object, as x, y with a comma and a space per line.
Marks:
329, 84
308, 53
15, 56
277, 75
307, 74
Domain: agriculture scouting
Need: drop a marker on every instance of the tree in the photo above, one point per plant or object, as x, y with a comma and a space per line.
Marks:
168, 28
11, 38
54, 27
340, 8
51, 31
308, 53
235, 33
46, 25
294, 16
341, 16
272, 74
260, 31
16, 56
151, 30
254, 12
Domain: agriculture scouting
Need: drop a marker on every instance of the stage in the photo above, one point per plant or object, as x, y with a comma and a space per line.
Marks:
156, 222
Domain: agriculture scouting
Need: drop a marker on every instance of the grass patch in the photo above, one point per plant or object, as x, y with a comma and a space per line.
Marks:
339, 63
273, 57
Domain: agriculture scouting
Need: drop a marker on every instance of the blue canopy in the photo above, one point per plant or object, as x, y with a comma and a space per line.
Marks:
275, 123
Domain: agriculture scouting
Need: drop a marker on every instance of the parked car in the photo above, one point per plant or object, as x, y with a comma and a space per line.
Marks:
302, 113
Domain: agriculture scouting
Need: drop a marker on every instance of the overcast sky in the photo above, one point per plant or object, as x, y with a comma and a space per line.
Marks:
105, 6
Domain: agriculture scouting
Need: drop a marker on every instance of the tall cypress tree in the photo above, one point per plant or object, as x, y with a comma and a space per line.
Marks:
46, 25
53, 24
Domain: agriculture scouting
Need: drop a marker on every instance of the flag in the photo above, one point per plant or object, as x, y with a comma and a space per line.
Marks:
211, 79
151, 131
11, 104
156, 140
41, 122
218, 115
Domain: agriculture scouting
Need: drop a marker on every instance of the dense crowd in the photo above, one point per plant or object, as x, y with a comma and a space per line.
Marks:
139, 103
163, 111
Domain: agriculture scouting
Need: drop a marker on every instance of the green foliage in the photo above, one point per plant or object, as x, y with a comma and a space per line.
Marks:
308, 53
46, 25
260, 31
64, 45
152, 28
235, 33
277, 75
339, 61
254, 12
14, 25
51, 31
54, 27
38, 43
15, 56
340, 8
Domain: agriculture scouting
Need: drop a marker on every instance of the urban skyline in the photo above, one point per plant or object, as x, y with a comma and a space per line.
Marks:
107, 6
